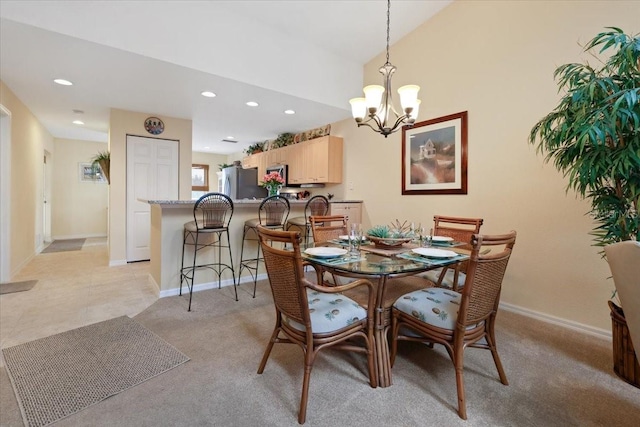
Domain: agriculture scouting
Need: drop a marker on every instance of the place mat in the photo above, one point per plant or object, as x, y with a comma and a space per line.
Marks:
333, 261
432, 261
57, 376
64, 246
389, 252
11, 287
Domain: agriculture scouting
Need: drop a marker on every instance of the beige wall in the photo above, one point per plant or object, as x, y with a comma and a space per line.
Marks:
496, 61
213, 160
29, 140
79, 209
121, 124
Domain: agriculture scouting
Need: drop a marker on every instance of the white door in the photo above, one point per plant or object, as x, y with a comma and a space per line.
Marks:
152, 174
46, 197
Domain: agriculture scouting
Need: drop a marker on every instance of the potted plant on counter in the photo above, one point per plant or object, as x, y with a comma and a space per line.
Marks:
103, 159
593, 136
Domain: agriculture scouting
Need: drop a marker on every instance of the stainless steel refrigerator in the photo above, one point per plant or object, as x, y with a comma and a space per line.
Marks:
239, 183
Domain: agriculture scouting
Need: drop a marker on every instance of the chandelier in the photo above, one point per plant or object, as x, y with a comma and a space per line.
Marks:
377, 105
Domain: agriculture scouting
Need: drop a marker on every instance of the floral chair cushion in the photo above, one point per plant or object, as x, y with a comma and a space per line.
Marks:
434, 306
447, 280
329, 312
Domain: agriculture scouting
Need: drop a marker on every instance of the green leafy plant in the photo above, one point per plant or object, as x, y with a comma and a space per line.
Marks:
103, 159
258, 147
381, 231
593, 135
223, 165
283, 140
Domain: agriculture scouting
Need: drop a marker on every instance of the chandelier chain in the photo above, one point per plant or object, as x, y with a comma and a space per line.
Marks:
388, 25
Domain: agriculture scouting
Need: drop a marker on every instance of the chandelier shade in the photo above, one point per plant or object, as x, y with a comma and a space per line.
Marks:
375, 109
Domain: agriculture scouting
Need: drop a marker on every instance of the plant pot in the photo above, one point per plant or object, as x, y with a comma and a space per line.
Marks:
104, 165
625, 361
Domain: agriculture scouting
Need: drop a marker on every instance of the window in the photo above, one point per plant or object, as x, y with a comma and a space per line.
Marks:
199, 177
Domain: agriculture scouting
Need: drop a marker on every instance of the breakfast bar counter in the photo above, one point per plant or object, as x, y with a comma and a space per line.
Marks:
167, 223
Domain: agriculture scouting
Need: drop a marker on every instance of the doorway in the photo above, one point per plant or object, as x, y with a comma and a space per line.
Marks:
152, 174
46, 197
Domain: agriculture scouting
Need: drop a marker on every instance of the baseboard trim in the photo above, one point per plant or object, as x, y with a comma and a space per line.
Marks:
77, 236
210, 285
569, 324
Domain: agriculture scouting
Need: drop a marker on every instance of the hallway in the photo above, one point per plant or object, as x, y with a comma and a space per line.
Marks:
74, 289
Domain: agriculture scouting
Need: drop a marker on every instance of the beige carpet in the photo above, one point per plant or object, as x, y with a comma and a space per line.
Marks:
558, 377
60, 375
65, 245
11, 287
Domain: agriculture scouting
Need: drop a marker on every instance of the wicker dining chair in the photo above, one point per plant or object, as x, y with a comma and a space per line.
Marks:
461, 230
327, 227
459, 320
312, 316
317, 205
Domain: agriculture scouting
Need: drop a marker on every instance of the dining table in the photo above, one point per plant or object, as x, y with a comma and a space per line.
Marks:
386, 268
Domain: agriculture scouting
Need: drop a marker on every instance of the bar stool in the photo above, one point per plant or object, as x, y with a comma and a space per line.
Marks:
272, 213
316, 206
212, 214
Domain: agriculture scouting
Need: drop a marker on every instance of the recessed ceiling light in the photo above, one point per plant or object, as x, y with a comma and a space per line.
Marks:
63, 82
206, 148
252, 104
289, 112
208, 94
230, 137
78, 122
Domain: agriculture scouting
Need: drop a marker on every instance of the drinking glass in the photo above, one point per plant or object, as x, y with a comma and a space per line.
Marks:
355, 238
427, 239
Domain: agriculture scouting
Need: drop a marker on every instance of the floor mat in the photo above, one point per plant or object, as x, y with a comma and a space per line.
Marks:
11, 287
64, 246
57, 376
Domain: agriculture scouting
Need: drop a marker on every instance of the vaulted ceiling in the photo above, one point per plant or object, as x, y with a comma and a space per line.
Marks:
158, 56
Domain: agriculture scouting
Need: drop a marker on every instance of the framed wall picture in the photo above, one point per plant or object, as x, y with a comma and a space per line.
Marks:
434, 156
89, 172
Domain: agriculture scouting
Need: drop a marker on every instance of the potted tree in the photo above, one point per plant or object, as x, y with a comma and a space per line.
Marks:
593, 137
103, 159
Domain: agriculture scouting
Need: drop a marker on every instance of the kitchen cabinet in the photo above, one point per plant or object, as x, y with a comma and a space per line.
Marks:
317, 161
251, 161
279, 156
352, 210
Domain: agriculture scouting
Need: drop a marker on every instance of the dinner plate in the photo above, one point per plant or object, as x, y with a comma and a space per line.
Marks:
434, 253
441, 239
345, 237
325, 252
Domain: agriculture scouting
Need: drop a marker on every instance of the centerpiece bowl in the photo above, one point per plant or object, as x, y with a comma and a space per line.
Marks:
388, 242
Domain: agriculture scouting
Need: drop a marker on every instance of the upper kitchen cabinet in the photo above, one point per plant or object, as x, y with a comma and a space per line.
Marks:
316, 161
251, 161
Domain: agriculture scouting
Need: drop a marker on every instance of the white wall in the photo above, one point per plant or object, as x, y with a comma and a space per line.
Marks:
79, 209
495, 59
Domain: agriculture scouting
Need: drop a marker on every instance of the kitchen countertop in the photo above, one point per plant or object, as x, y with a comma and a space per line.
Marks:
250, 202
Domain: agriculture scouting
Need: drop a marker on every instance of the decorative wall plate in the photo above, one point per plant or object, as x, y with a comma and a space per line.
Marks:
154, 125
